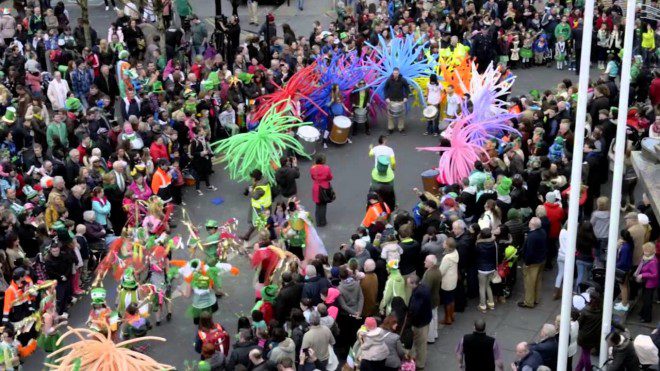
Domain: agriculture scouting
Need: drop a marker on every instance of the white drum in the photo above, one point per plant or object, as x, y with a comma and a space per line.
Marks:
308, 136
360, 115
396, 109
430, 112
341, 125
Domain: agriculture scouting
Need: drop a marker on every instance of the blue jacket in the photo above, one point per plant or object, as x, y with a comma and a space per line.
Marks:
531, 362
624, 257
312, 288
547, 349
486, 254
535, 247
421, 311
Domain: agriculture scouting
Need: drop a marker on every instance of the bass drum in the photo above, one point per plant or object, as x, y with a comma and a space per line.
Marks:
341, 125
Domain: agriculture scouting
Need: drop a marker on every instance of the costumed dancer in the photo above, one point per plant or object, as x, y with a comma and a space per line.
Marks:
382, 181
294, 235
300, 231
50, 325
19, 306
127, 292
159, 280
101, 318
122, 67
9, 350
264, 260
210, 245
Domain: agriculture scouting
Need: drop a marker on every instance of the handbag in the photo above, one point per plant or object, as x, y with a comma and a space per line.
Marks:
327, 195
620, 275
497, 278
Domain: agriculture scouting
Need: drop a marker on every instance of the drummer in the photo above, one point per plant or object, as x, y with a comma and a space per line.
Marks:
360, 98
396, 95
337, 108
433, 97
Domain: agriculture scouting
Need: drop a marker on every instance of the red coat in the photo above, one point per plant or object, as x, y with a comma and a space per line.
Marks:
321, 177
654, 91
267, 310
556, 216
158, 151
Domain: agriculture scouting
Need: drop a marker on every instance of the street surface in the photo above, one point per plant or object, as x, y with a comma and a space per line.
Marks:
351, 167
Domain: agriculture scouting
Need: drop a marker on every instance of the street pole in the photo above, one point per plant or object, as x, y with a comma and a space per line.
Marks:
218, 8
576, 184
619, 155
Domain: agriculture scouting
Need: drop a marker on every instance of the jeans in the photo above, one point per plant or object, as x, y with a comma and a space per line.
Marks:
560, 273
432, 126
300, 4
485, 291
584, 269
319, 214
63, 295
647, 304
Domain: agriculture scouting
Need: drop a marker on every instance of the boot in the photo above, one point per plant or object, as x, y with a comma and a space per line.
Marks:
447, 321
557, 293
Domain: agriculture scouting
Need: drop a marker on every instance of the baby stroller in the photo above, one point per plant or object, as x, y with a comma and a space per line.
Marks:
507, 270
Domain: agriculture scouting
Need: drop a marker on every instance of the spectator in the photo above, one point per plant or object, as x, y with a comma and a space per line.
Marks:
478, 351
533, 256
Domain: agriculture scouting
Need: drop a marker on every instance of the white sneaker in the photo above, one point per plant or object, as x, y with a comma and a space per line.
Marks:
107, 8
116, 9
621, 308
325, 146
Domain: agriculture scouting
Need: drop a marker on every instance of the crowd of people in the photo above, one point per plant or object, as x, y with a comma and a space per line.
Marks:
96, 126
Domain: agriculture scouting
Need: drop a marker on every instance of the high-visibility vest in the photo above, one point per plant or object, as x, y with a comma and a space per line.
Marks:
265, 200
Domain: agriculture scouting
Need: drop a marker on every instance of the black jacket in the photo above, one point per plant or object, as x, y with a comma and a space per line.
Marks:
396, 90
240, 354
286, 177
287, 299
624, 357
312, 288
76, 208
420, 309
548, 349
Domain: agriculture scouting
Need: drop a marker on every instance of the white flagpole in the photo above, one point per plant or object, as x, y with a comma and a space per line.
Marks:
619, 155
576, 185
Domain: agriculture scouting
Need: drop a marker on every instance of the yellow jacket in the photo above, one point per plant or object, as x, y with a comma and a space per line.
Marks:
648, 40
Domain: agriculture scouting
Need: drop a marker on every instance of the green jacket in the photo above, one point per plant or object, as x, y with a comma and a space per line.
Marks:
211, 248
394, 286
58, 129
563, 30
183, 7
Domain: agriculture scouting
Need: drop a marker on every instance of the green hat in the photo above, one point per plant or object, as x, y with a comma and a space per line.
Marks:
29, 192
128, 279
383, 172
510, 252
63, 68
58, 225
535, 94
211, 223
157, 87
343, 35
513, 214
124, 54
98, 295
16, 208
268, 293
73, 104
203, 366
10, 115
504, 188
245, 77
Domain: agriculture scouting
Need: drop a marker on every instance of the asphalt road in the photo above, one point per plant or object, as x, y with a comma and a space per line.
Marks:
351, 167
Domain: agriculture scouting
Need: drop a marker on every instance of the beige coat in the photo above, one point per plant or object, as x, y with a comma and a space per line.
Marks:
449, 271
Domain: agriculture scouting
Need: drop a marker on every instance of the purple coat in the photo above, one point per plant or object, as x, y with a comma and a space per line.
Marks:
649, 273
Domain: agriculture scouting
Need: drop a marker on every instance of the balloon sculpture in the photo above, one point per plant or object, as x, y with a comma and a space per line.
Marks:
96, 351
468, 133
262, 147
291, 95
402, 53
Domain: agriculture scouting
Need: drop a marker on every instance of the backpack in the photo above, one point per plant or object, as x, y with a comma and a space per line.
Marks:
218, 337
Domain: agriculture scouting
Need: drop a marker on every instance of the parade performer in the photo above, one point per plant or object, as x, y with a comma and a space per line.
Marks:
19, 307
199, 279
94, 351
127, 292
211, 242
159, 283
394, 286
300, 231
263, 147
265, 304
51, 323
375, 209
382, 181
294, 234
9, 350
122, 67
101, 318
264, 260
